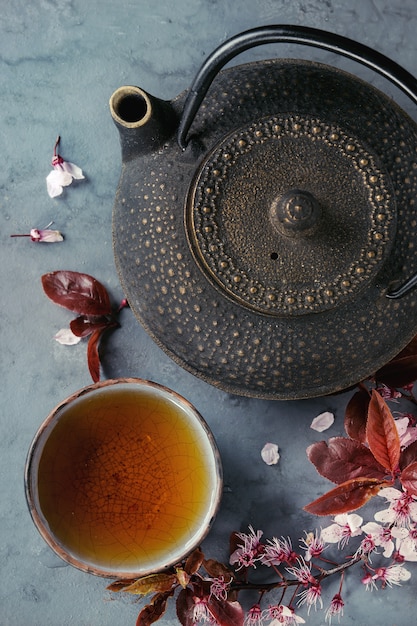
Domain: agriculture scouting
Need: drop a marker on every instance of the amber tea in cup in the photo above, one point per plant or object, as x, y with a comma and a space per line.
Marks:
123, 478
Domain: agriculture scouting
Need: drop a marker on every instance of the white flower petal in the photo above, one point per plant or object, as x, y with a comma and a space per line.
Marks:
322, 422
73, 170
270, 453
352, 520
332, 533
66, 337
387, 516
390, 493
372, 528
56, 180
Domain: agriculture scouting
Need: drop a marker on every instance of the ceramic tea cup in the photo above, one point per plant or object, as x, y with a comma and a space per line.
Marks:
123, 478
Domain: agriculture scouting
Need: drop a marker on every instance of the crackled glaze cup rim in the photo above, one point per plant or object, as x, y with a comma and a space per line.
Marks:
202, 432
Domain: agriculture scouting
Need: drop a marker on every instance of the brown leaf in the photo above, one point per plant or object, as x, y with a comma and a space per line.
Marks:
356, 415
346, 497
409, 478
194, 561
153, 611
215, 569
340, 459
408, 455
77, 292
382, 434
151, 583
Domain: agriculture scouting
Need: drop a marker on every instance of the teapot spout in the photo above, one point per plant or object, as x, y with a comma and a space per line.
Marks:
143, 121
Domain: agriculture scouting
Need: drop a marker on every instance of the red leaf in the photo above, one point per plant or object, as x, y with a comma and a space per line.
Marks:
340, 459
93, 358
153, 611
84, 325
184, 606
402, 369
346, 497
408, 455
77, 292
226, 613
356, 415
409, 478
382, 434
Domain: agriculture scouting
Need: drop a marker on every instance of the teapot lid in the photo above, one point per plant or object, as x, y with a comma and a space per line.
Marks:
290, 215
260, 258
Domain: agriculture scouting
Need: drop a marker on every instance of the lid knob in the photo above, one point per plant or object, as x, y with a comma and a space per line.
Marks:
296, 213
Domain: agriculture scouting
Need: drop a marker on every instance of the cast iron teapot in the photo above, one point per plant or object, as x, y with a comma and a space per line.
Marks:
264, 224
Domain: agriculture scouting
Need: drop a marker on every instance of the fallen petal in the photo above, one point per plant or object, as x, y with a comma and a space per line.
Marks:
270, 453
66, 337
47, 236
56, 180
322, 422
72, 169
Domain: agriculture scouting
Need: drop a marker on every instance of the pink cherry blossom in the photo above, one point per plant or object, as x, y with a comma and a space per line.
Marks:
219, 588
201, 612
406, 542
369, 581
250, 551
402, 509
255, 616
62, 175
277, 551
302, 572
366, 546
283, 615
335, 608
381, 536
313, 544
392, 575
345, 526
311, 596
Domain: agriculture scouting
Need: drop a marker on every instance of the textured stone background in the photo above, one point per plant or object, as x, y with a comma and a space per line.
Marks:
60, 60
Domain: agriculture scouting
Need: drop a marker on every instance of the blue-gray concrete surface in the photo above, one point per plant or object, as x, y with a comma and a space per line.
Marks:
60, 60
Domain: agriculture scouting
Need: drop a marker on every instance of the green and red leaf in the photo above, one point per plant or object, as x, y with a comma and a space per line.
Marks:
382, 434
346, 497
80, 293
150, 584
340, 459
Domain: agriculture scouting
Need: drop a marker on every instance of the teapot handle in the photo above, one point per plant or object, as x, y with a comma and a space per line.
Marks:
304, 35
